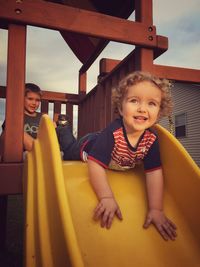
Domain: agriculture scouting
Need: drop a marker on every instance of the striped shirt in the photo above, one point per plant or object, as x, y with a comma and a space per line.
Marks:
111, 149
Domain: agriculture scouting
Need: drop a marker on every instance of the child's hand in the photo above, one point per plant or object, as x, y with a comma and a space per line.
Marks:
106, 210
165, 227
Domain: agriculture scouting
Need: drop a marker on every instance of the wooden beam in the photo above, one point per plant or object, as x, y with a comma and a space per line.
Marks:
177, 74
62, 97
50, 96
11, 178
173, 73
60, 17
13, 146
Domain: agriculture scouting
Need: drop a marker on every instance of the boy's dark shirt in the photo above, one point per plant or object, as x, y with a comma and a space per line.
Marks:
31, 124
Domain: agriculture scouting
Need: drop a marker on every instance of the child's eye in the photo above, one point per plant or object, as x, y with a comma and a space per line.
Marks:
133, 100
152, 103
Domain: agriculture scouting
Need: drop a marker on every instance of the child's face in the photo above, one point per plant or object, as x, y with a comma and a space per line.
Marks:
141, 106
31, 103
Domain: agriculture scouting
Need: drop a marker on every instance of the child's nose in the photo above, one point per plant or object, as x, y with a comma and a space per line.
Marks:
142, 107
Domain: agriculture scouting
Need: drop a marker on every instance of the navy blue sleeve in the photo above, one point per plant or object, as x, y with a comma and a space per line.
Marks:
102, 148
152, 159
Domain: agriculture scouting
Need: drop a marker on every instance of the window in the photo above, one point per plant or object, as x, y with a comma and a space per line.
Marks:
180, 125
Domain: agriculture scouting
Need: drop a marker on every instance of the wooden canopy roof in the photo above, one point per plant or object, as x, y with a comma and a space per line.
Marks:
84, 47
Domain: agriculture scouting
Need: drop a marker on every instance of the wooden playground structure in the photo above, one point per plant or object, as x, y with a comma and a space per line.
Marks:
108, 22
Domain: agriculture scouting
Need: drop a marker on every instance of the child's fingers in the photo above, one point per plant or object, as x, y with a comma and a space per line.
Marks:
98, 211
119, 214
162, 231
172, 224
166, 230
147, 222
171, 232
107, 219
104, 218
110, 219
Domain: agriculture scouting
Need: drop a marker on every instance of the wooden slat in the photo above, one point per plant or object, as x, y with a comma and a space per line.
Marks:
60, 17
56, 110
102, 117
44, 106
11, 178
80, 119
2, 92
69, 112
108, 101
13, 146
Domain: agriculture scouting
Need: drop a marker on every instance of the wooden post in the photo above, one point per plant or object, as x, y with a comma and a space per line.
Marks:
82, 93
144, 14
13, 144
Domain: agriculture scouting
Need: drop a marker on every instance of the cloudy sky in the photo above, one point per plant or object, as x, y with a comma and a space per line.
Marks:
52, 65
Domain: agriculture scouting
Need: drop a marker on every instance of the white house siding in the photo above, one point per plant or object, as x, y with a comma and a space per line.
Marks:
186, 99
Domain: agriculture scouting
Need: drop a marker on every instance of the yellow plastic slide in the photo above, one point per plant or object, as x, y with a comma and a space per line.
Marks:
59, 203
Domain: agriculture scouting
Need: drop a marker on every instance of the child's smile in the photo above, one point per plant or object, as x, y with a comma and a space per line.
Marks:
140, 119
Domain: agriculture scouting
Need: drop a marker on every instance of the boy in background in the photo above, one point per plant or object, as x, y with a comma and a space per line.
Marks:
32, 100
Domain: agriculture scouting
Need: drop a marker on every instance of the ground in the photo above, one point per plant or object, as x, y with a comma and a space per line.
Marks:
13, 254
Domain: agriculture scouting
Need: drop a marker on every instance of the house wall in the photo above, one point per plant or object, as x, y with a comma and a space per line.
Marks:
186, 99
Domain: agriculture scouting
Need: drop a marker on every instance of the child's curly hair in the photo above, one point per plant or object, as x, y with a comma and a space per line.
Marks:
131, 79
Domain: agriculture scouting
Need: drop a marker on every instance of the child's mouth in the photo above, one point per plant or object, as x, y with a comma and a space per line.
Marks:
140, 118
